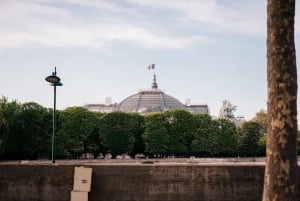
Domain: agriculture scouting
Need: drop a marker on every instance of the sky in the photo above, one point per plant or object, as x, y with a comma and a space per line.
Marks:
203, 50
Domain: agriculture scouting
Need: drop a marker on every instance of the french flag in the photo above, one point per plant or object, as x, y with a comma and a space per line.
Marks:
151, 66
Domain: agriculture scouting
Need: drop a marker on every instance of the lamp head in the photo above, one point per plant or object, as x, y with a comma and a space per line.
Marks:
52, 79
58, 84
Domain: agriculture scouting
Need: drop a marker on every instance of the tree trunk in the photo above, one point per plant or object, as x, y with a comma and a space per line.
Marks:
280, 182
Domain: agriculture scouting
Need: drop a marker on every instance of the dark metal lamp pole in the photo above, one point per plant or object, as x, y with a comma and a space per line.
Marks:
54, 81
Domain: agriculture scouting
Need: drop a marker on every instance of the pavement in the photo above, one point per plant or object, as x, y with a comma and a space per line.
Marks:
237, 161
151, 161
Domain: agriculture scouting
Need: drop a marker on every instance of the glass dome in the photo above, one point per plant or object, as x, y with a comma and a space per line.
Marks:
151, 100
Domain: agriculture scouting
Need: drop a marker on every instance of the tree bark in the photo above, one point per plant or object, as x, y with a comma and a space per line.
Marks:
280, 182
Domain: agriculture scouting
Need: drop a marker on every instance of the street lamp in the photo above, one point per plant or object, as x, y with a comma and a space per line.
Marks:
54, 81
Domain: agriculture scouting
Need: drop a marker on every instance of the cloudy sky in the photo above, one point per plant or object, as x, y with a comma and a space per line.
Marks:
204, 50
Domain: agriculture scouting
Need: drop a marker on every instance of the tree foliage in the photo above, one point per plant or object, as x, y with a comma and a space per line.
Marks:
117, 132
261, 118
224, 138
249, 139
78, 132
156, 136
25, 130
26, 133
9, 117
179, 130
35, 133
202, 131
136, 122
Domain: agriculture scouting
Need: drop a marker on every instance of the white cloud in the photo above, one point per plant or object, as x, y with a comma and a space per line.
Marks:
150, 39
26, 23
97, 4
38, 23
58, 24
243, 16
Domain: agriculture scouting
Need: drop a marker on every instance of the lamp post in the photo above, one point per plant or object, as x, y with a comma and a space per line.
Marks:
54, 81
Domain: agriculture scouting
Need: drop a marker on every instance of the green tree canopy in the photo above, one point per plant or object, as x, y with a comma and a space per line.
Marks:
179, 131
78, 132
261, 118
223, 140
136, 122
201, 130
36, 130
9, 120
249, 139
156, 136
117, 133
25, 130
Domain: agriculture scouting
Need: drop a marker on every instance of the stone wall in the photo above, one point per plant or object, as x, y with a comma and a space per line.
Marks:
134, 182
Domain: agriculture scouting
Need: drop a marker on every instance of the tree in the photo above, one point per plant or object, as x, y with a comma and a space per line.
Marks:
262, 145
223, 141
281, 180
156, 135
261, 118
24, 130
35, 133
179, 131
201, 130
116, 133
9, 126
78, 132
249, 138
137, 128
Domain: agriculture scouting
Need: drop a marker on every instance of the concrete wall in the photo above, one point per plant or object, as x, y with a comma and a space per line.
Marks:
134, 182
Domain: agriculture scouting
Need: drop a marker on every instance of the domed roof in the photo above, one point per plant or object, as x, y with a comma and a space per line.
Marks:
151, 100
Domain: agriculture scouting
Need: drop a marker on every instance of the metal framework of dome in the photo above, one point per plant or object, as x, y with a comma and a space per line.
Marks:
151, 100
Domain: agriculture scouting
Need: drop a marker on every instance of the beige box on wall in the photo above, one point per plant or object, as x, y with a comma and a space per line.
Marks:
79, 196
82, 179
